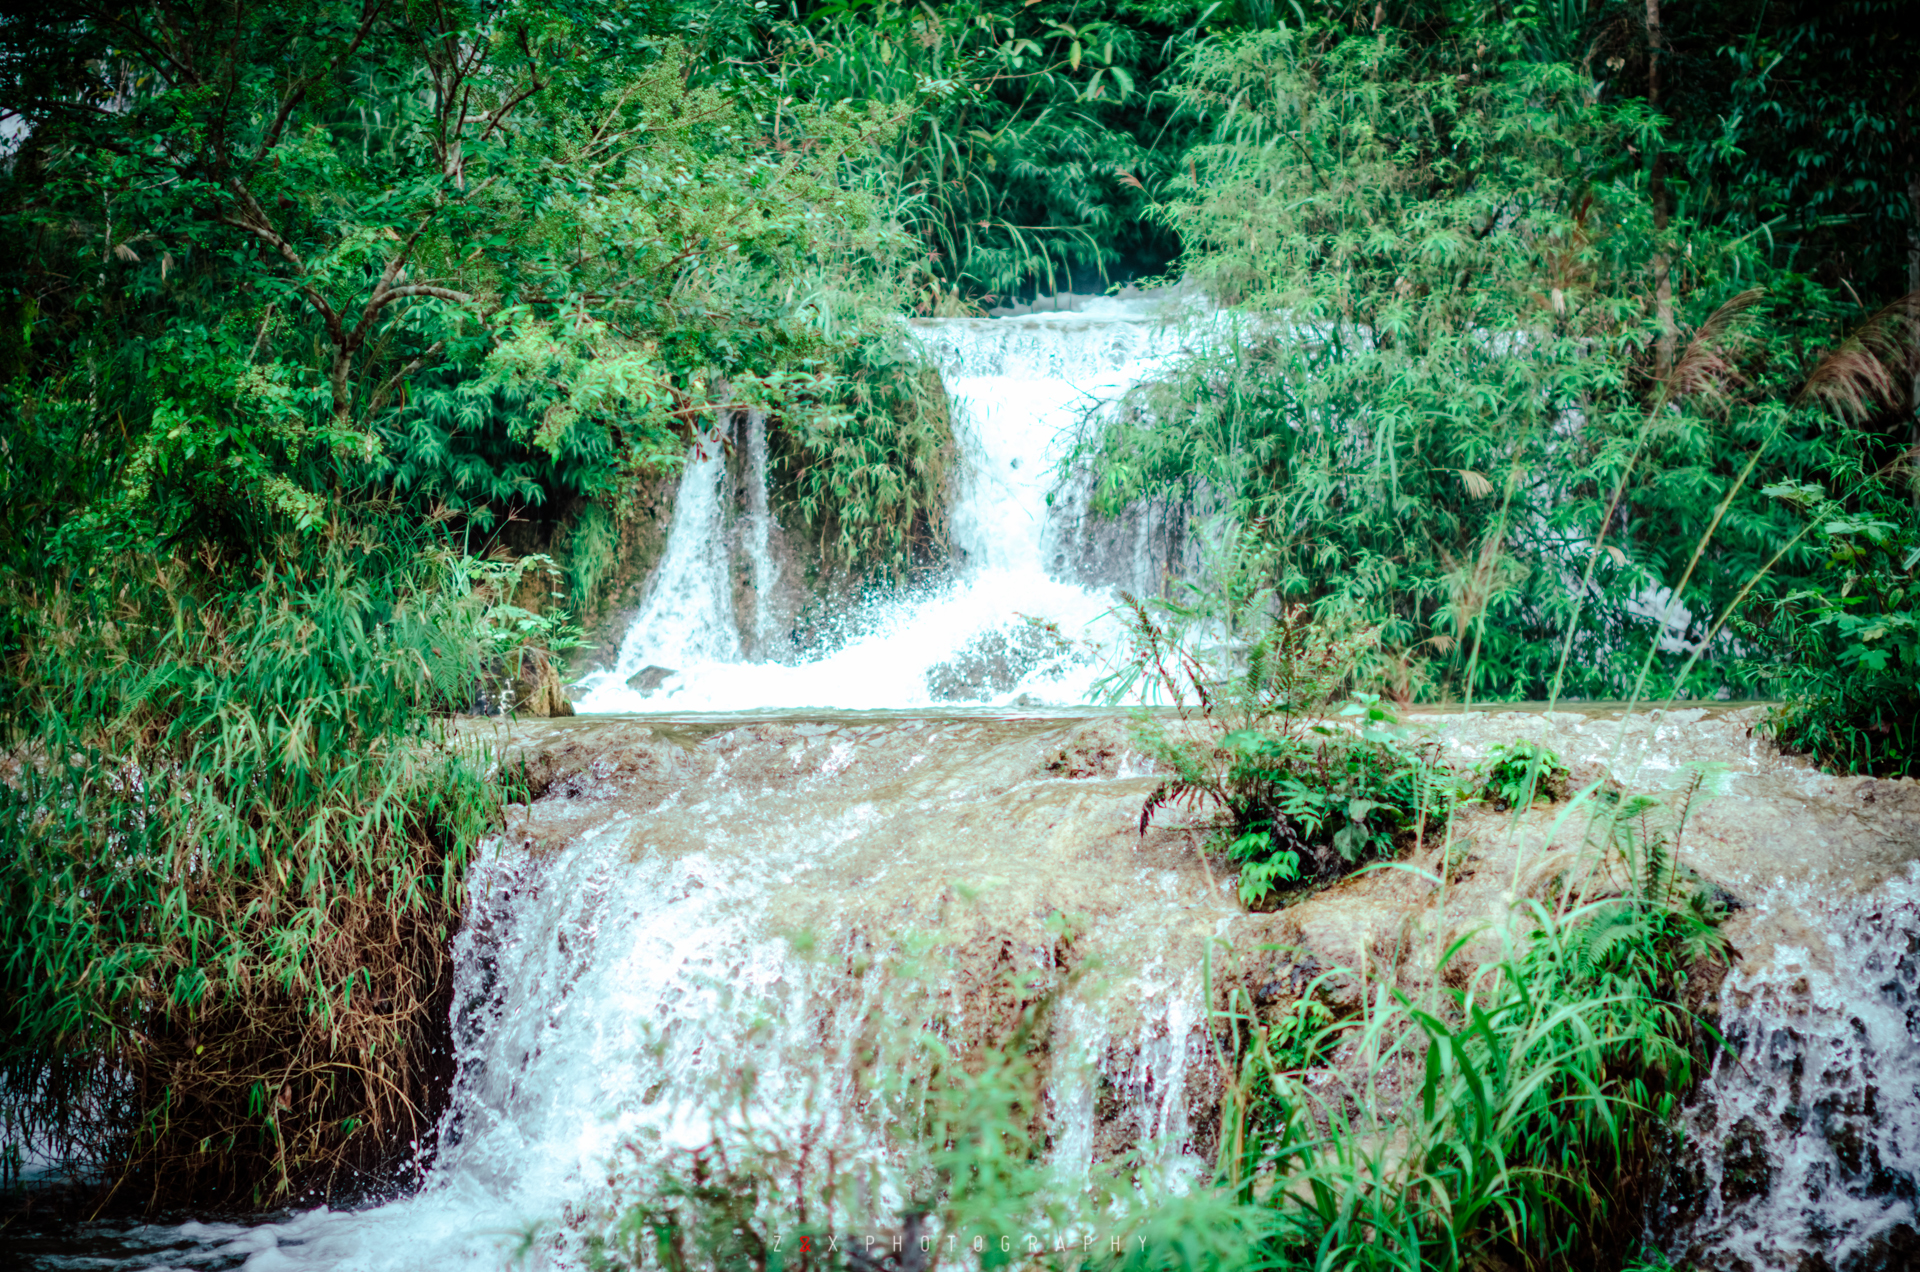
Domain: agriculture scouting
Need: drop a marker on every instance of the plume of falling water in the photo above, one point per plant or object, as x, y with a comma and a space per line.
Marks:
688, 612
765, 571
1020, 388
1803, 1146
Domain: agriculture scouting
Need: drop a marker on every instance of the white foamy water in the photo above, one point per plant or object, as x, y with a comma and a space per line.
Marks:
1020, 388
1803, 1150
688, 613
611, 994
633, 992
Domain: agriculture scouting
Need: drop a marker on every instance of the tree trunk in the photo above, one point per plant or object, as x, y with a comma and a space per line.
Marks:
1913, 232
1913, 287
1663, 285
1657, 194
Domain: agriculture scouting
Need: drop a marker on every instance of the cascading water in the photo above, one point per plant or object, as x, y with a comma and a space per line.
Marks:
610, 982
1020, 389
631, 954
765, 571
688, 615
1803, 1148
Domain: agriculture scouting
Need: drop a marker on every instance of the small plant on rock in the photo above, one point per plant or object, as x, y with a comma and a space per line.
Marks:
1302, 792
1521, 774
1305, 808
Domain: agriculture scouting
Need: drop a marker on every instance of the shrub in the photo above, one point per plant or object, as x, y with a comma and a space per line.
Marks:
1851, 682
1298, 799
1520, 774
235, 835
1301, 810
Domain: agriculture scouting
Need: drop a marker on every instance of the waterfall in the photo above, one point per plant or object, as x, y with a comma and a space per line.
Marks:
1802, 1149
699, 929
764, 570
1021, 618
688, 611
698, 925
630, 980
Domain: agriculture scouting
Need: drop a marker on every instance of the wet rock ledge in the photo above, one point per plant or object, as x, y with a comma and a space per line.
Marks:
1002, 833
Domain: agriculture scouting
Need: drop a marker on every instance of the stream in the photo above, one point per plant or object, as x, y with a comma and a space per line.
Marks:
694, 917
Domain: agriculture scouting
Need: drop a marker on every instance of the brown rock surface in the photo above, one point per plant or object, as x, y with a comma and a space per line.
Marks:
536, 688
1014, 843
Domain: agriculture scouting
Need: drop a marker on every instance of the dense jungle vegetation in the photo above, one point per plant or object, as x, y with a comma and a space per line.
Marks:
1570, 350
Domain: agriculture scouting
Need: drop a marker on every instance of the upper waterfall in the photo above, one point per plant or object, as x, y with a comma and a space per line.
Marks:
1018, 618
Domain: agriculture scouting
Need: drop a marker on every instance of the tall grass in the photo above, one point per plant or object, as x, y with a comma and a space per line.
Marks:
1436, 397
235, 837
1504, 1114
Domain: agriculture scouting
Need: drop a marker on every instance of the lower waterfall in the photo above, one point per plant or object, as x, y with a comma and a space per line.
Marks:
706, 925
1802, 1150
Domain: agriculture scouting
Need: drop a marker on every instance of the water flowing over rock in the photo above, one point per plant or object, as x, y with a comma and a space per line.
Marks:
1802, 1148
1025, 547
693, 898
649, 679
688, 613
763, 570
733, 895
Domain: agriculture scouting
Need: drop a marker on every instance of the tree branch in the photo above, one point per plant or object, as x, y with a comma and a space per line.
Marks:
266, 234
369, 10
392, 294
379, 398
500, 116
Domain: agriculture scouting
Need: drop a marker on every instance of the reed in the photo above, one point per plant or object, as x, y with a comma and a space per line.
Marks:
236, 830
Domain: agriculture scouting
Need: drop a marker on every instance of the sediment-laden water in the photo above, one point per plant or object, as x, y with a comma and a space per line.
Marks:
706, 903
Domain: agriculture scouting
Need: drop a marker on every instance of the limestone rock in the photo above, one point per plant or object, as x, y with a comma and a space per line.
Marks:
994, 663
536, 688
1012, 849
648, 679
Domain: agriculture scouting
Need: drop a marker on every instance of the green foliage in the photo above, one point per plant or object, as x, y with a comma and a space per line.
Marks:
1799, 121
1297, 799
1033, 140
532, 282
1510, 1118
1852, 688
871, 478
1445, 390
235, 840
507, 627
1303, 810
1522, 773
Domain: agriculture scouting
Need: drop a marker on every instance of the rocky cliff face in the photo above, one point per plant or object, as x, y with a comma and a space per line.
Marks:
1013, 846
